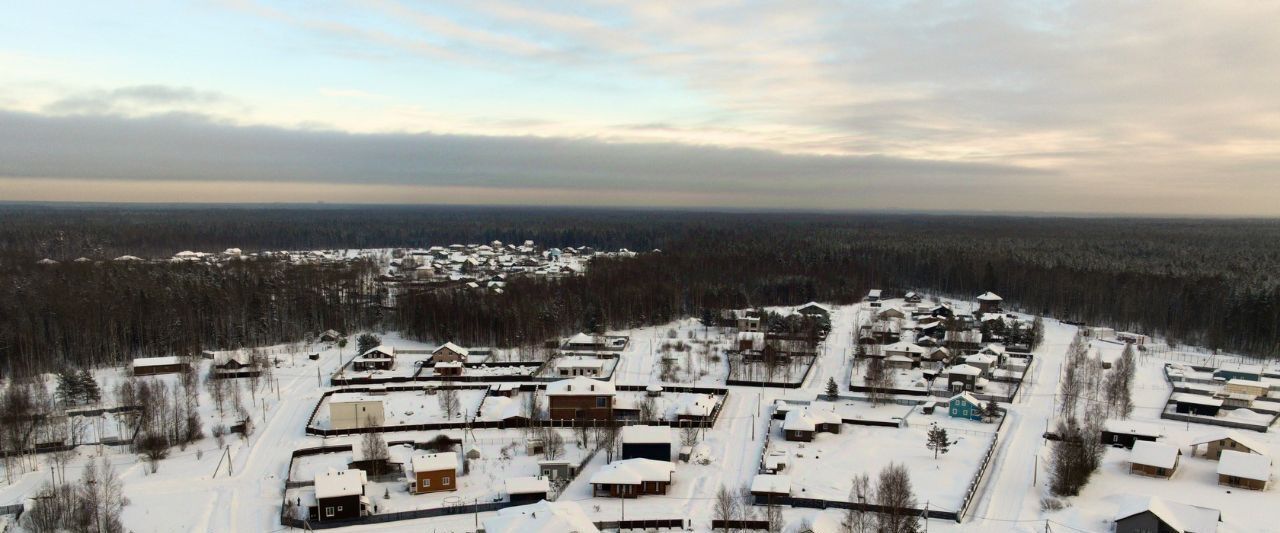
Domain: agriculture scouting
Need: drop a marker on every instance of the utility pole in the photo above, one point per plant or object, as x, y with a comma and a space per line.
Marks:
475, 507
318, 384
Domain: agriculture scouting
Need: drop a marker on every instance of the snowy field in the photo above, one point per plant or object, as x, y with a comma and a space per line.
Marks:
824, 468
415, 407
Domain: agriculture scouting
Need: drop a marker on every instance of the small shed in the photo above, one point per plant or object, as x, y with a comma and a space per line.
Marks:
1244, 470
1154, 459
527, 489
1196, 404
649, 442
1126, 433
768, 487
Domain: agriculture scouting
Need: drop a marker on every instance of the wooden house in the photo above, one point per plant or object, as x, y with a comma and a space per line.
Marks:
873, 295
376, 358
890, 313
1153, 459
150, 366
648, 442
1125, 433
913, 297
989, 302
1152, 514
1244, 470
1219, 441
330, 335
963, 378
449, 353
630, 478
340, 495
580, 398
909, 350
1196, 404
434, 472
527, 489
965, 405
802, 424
813, 309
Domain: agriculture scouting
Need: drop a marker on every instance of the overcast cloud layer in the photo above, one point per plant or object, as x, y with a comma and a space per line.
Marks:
1152, 107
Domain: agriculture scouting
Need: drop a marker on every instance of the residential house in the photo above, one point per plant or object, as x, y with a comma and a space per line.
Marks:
1153, 459
965, 340
801, 424
899, 362
434, 472
913, 297
748, 323
1231, 371
813, 309
1153, 514
1250, 387
648, 442
527, 489
330, 335
1218, 441
770, 487
150, 366
965, 405
1244, 470
938, 355
890, 312
449, 352
340, 495
1196, 404
349, 410
964, 377
541, 517
233, 361
579, 366
377, 358
984, 362
1125, 433
909, 350
580, 398
989, 302
874, 295
630, 478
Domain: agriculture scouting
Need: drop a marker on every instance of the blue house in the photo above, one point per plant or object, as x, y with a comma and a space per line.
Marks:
1230, 371
964, 405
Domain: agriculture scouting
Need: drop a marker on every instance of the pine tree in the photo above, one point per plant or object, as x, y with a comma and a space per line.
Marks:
937, 440
69, 388
833, 390
89, 391
991, 411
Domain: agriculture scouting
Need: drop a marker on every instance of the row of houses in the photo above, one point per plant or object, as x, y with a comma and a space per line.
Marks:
1241, 463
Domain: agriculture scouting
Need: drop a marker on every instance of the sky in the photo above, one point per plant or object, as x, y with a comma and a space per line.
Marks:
1111, 107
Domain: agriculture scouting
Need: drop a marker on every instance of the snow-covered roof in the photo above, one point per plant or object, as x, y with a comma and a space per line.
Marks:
994, 348
1180, 516
646, 434
990, 297
1244, 465
1155, 454
449, 364
696, 405
352, 397
1130, 427
582, 338
904, 346
527, 485
335, 483
579, 385
634, 471
807, 418
964, 370
771, 484
579, 362
1219, 434
981, 359
382, 349
156, 361
453, 347
431, 462
1247, 383
874, 293
1182, 397
973, 400
541, 517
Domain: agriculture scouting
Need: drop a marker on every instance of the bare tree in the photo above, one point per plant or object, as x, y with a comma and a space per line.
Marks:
648, 409
895, 497
773, 518
449, 403
726, 507
857, 519
553, 444
375, 452
877, 379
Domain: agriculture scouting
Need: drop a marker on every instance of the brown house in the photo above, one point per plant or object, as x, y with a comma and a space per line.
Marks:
434, 472
448, 368
630, 478
150, 366
451, 353
1244, 470
580, 398
1219, 441
1154, 459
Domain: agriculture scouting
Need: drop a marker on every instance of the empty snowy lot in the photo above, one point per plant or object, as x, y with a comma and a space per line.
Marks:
823, 469
414, 407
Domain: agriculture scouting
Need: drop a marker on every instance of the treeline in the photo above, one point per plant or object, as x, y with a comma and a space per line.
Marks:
1206, 282
84, 314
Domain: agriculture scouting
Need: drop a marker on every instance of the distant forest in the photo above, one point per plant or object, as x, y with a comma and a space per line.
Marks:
1207, 282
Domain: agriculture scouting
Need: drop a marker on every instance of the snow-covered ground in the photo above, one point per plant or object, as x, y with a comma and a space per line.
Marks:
415, 407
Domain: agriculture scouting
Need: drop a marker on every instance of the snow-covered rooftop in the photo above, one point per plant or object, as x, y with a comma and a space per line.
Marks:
1130, 427
335, 483
579, 386
646, 434
156, 361
541, 517
527, 485
352, 397
1180, 516
1244, 465
1198, 399
634, 471
453, 347
431, 462
771, 484
964, 370
1219, 434
1154, 454
990, 297
380, 349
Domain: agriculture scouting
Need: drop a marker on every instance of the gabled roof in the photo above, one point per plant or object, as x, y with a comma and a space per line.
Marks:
527, 485
156, 361
1155, 454
964, 370
431, 462
1244, 465
1179, 516
971, 399
646, 435
990, 297
905, 346
1182, 397
634, 471
452, 347
379, 349
582, 338
579, 385
541, 517
1219, 434
335, 483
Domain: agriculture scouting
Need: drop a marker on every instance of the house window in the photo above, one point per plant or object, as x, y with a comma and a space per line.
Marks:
339, 508
446, 481
328, 511
602, 402
955, 411
426, 483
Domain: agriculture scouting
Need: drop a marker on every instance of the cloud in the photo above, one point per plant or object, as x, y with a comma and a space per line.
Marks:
145, 98
193, 148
